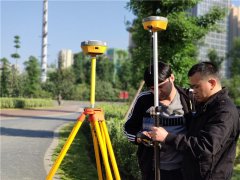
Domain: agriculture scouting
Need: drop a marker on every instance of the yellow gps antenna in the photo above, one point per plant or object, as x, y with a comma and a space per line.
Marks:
101, 141
93, 48
154, 24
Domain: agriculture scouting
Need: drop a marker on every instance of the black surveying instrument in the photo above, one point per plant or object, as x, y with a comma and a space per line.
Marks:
101, 140
154, 24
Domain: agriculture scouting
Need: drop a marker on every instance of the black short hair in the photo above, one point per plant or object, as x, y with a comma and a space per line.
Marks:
205, 69
164, 72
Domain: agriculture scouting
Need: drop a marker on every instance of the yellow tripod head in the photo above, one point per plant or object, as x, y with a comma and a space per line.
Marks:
93, 48
155, 23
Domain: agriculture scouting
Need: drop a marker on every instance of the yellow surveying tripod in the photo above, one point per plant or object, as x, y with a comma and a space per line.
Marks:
96, 118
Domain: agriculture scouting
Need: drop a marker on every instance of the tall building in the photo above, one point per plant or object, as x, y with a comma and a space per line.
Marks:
217, 40
65, 58
234, 24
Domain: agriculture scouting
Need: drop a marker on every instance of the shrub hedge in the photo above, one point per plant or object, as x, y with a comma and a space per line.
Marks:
125, 152
24, 103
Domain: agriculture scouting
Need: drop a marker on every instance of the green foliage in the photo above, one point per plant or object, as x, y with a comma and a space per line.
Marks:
108, 85
234, 55
49, 88
117, 73
105, 91
17, 46
61, 82
7, 103
31, 103
125, 152
81, 92
233, 86
208, 21
32, 85
182, 65
214, 58
178, 43
65, 83
124, 74
81, 68
236, 172
15, 55
104, 69
24, 103
5, 78
15, 85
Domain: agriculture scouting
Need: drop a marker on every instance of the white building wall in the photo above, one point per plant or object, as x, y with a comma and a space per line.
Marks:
66, 58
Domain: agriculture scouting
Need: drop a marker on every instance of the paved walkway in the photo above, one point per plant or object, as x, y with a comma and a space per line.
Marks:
68, 107
28, 138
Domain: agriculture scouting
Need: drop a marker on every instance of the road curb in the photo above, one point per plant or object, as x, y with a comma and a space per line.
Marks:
48, 163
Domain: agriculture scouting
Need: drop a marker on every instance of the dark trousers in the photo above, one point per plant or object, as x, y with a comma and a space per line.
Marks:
175, 174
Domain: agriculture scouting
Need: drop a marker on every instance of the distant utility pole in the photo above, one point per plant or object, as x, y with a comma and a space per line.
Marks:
44, 41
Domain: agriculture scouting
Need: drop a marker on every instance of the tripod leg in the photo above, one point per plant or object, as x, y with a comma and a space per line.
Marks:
102, 132
103, 150
110, 150
96, 151
65, 147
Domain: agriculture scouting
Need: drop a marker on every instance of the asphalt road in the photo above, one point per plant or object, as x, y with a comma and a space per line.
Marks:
25, 139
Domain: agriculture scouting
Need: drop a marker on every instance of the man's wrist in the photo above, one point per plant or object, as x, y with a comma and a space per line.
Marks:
170, 138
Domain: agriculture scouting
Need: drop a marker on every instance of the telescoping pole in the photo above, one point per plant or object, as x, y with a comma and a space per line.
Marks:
156, 104
93, 81
154, 24
93, 48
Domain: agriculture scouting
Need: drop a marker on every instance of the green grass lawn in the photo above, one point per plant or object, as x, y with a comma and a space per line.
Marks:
77, 164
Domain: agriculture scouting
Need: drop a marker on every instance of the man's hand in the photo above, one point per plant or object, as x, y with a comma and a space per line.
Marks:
144, 138
158, 134
151, 111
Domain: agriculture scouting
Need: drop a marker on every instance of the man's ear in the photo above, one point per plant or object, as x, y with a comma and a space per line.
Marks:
212, 82
172, 77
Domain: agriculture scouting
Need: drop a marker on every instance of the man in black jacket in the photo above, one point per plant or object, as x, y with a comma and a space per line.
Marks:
209, 147
176, 106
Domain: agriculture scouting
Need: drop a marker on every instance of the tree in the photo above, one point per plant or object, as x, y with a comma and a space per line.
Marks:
82, 68
234, 55
5, 78
63, 81
125, 74
33, 84
214, 58
104, 69
178, 44
122, 57
15, 55
233, 85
